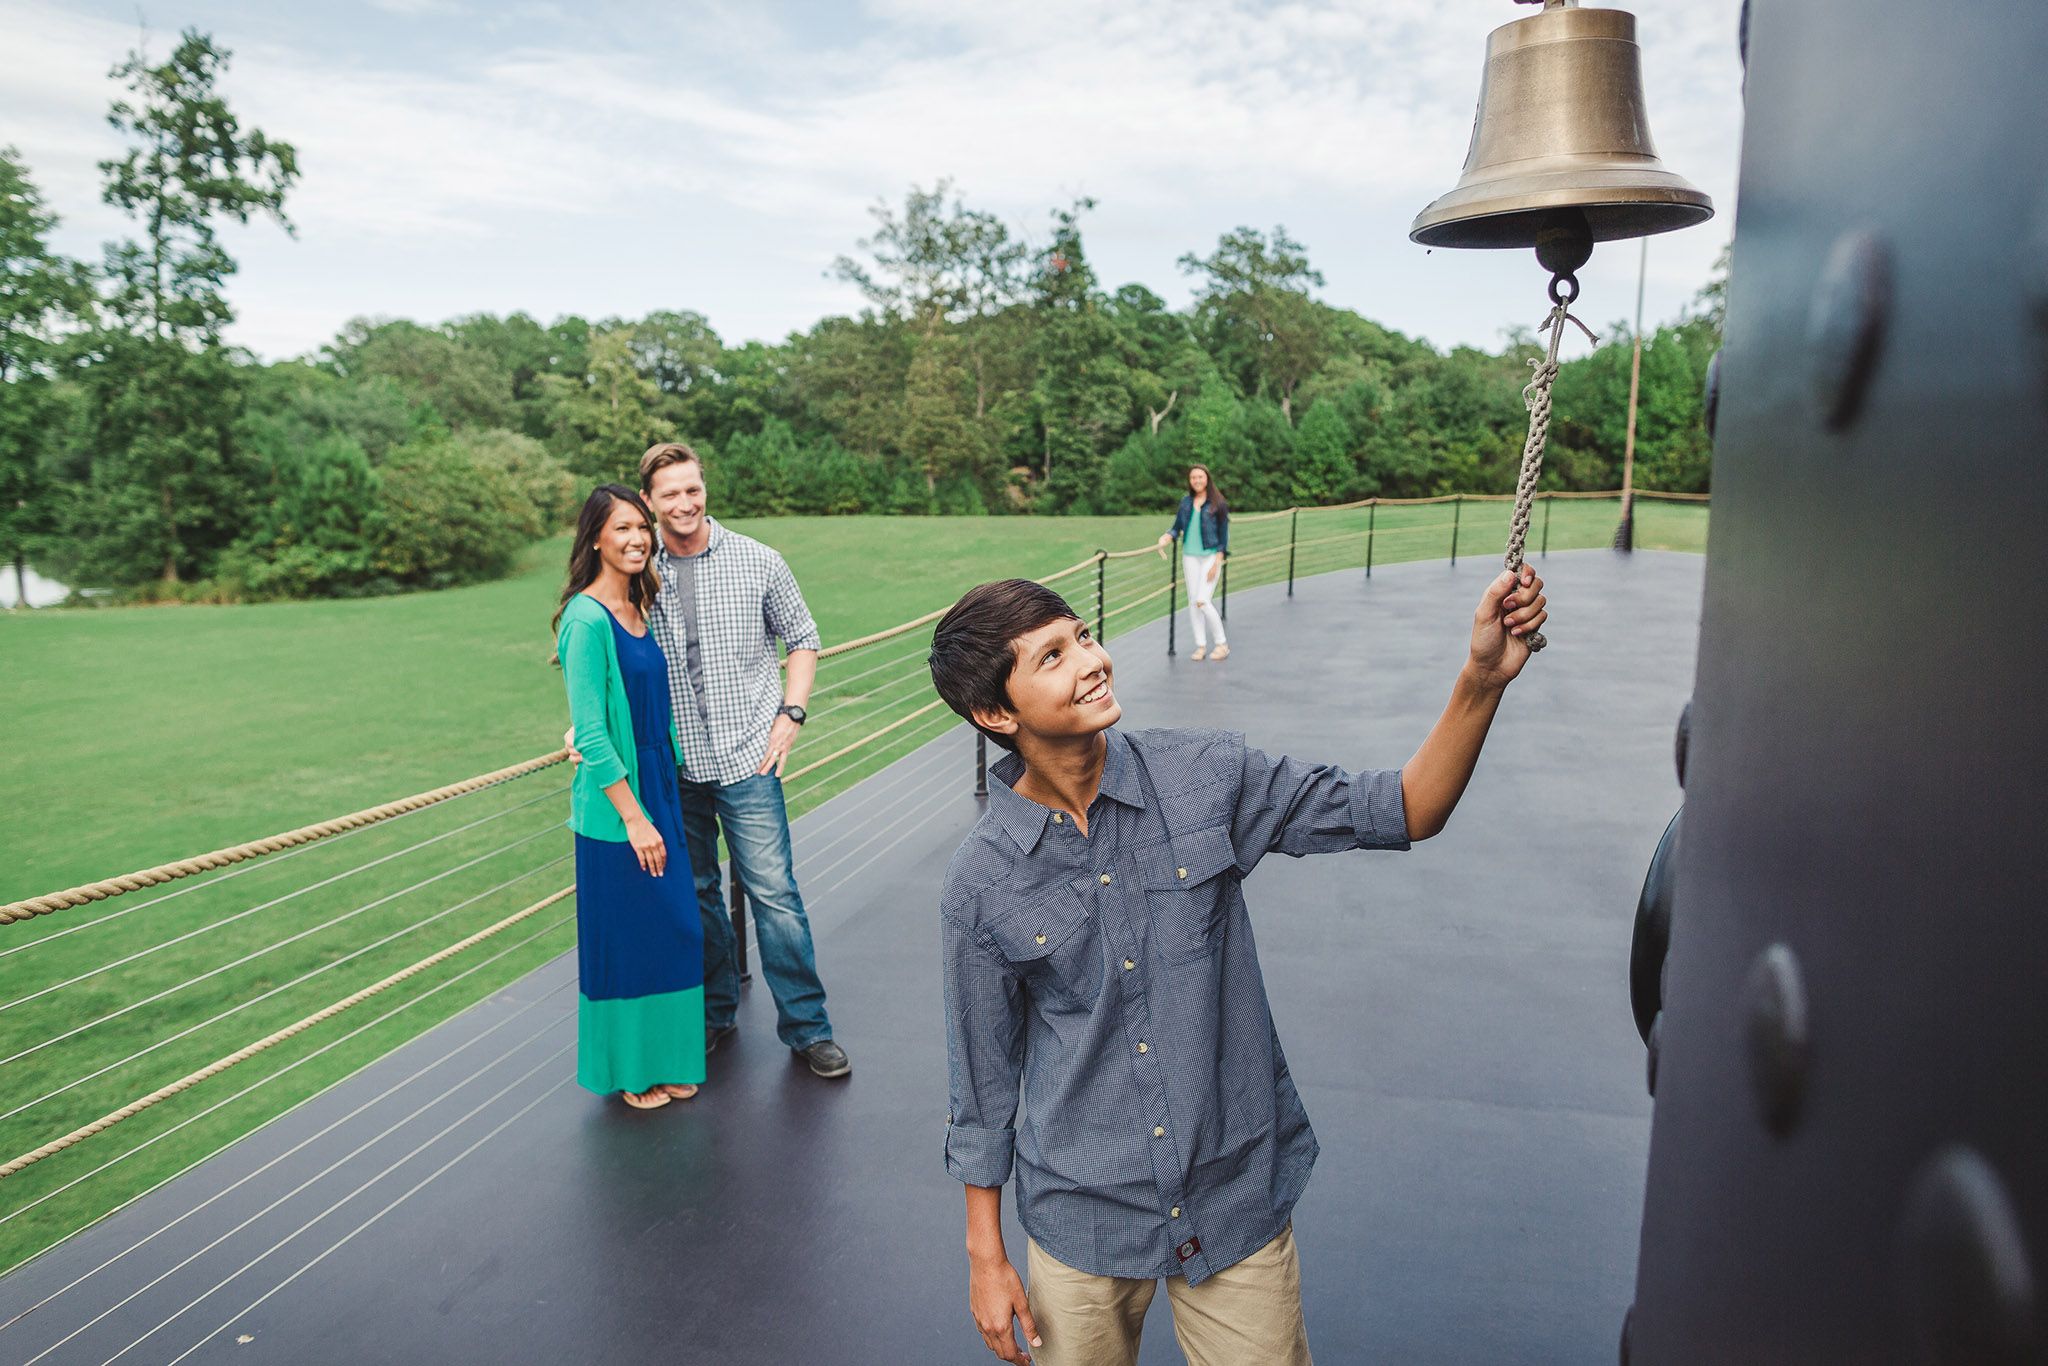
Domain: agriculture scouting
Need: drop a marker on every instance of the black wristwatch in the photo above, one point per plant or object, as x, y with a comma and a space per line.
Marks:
793, 712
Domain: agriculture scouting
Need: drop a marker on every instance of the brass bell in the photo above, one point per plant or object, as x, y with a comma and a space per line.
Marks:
1561, 128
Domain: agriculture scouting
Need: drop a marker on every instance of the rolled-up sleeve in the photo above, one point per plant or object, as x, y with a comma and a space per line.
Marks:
786, 613
1290, 807
984, 1057
586, 671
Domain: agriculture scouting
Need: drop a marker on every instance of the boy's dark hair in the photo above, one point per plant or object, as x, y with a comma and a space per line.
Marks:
975, 645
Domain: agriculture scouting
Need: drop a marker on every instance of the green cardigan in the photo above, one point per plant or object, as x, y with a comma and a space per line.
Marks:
602, 717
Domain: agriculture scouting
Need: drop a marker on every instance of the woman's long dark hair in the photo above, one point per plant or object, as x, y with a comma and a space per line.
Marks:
584, 561
1216, 498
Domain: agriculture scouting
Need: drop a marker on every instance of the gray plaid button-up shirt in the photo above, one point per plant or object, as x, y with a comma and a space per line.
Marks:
745, 598
1112, 978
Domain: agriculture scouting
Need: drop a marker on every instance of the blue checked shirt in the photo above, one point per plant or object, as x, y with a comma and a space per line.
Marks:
744, 598
1111, 979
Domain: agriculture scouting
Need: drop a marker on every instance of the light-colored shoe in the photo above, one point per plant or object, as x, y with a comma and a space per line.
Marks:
1222, 652
1201, 652
652, 1099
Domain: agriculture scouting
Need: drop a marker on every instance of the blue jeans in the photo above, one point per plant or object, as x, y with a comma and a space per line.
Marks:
756, 825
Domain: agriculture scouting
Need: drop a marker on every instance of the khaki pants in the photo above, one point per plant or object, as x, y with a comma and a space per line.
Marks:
1249, 1315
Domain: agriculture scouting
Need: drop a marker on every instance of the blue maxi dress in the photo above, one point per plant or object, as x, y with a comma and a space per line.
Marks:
639, 941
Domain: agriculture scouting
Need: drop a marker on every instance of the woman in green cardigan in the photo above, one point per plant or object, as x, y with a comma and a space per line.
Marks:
639, 942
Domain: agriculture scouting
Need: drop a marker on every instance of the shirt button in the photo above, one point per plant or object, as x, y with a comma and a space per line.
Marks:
1176, 1211
1129, 964
1105, 879
1159, 1132
1041, 939
1142, 1048
1058, 819
1181, 873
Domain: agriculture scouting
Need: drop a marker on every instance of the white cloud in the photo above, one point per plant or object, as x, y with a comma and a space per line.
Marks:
718, 156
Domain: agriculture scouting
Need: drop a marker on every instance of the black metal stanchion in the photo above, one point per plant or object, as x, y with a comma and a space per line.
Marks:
1172, 584
1101, 559
1545, 551
980, 764
1223, 589
1457, 515
1372, 517
1293, 515
739, 920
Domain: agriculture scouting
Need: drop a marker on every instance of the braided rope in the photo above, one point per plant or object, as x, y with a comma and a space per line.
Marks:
305, 834
241, 1055
1537, 397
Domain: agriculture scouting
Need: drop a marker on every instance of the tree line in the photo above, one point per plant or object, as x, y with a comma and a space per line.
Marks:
988, 373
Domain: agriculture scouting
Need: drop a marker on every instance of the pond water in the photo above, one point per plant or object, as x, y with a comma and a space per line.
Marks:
42, 592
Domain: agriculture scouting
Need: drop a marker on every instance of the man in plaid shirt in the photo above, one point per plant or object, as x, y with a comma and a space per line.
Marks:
725, 599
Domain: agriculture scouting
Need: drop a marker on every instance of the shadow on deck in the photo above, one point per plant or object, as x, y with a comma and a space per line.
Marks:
1456, 1018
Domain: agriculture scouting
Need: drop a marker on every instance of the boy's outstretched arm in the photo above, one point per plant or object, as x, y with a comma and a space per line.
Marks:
995, 1293
1434, 780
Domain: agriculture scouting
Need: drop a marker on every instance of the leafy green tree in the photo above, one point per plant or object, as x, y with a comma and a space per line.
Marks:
1254, 308
40, 295
543, 481
602, 420
1081, 395
845, 377
940, 439
167, 482
1322, 469
948, 272
467, 385
446, 518
316, 529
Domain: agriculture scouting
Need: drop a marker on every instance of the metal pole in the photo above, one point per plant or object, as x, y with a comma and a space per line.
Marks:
739, 920
1372, 517
1625, 534
1457, 515
1223, 590
1101, 559
1547, 500
1293, 516
980, 764
1172, 584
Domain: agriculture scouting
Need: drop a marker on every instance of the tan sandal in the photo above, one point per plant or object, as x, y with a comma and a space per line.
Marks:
645, 1100
683, 1092
1201, 652
1222, 652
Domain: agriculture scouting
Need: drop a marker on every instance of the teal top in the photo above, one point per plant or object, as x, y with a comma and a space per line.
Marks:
602, 716
1196, 544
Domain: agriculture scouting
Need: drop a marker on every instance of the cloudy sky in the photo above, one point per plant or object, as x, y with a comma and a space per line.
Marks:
611, 158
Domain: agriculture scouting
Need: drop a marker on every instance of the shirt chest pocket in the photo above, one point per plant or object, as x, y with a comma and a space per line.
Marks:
1187, 884
1052, 944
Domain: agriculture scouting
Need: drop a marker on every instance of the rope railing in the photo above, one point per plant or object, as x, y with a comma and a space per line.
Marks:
868, 692
272, 1040
221, 858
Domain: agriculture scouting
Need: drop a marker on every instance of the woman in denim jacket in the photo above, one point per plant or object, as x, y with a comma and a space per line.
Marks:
1202, 525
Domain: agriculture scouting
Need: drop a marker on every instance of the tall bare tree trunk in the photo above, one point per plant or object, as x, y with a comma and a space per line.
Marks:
1160, 416
20, 582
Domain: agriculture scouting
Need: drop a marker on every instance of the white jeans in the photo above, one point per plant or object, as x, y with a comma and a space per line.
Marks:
1201, 595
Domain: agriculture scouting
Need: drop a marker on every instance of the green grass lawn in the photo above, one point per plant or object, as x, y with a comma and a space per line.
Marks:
142, 735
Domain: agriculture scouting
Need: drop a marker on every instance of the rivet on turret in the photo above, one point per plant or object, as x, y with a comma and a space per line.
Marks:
1780, 1037
1846, 325
1967, 1281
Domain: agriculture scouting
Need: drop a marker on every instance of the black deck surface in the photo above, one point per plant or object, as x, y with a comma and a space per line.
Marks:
1456, 1018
